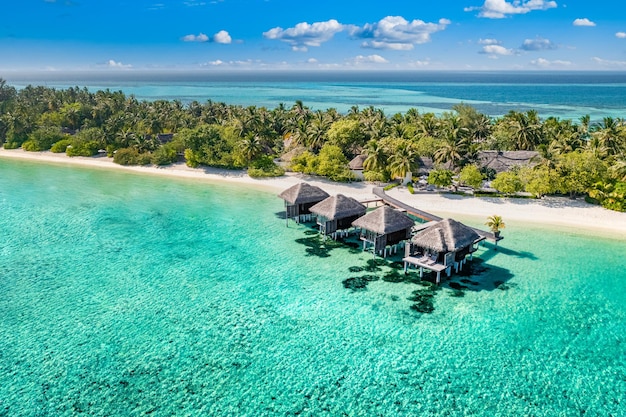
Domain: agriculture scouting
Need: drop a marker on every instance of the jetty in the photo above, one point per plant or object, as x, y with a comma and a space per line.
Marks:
428, 217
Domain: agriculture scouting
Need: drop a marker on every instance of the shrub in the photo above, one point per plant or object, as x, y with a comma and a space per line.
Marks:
164, 155
409, 187
81, 148
471, 176
264, 166
507, 182
126, 156
440, 177
61, 146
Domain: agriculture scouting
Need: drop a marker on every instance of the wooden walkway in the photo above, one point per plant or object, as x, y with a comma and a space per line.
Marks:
380, 193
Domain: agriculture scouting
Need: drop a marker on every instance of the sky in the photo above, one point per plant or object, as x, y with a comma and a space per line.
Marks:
228, 35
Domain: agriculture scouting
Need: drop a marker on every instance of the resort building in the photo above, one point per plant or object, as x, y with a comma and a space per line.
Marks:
440, 247
384, 228
299, 199
336, 213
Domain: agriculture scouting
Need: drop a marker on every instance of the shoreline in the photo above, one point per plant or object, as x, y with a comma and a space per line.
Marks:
551, 211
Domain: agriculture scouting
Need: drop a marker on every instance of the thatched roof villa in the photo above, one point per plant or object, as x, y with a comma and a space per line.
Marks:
441, 246
300, 198
337, 213
383, 227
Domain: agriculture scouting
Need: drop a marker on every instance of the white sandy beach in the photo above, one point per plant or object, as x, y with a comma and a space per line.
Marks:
553, 211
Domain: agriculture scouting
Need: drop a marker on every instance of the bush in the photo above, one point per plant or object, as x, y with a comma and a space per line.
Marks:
409, 187
507, 182
440, 177
61, 146
42, 139
164, 155
80, 148
129, 156
265, 167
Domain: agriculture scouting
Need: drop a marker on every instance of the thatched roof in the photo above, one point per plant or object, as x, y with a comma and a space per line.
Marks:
501, 161
446, 236
384, 220
357, 162
303, 193
338, 207
288, 156
424, 165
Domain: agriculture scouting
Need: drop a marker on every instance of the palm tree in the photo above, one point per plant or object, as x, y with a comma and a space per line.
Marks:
495, 223
402, 161
525, 129
251, 146
376, 156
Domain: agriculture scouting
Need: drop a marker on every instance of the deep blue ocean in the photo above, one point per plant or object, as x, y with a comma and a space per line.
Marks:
567, 95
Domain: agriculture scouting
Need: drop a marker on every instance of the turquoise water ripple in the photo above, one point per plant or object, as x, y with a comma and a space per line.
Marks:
130, 295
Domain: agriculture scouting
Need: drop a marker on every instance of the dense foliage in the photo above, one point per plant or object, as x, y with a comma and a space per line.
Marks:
581, 157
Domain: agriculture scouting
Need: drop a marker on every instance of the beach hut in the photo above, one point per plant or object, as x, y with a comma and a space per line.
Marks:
337, 213
445, 243
384, 227
299, 199
356, 165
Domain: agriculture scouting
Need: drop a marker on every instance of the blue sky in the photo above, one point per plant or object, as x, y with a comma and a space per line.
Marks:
115, 35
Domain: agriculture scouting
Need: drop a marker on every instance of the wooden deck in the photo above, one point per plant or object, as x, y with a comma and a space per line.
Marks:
380, 192
426, 263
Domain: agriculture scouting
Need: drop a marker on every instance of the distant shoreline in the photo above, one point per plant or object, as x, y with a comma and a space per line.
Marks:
550, 211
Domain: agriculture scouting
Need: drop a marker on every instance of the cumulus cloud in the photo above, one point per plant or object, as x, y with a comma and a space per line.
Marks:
222, 37
544, 63
583, 22
201, 37
303, 35
114, 64
396, 33
498, 9
620, 35
537, 44
495, 50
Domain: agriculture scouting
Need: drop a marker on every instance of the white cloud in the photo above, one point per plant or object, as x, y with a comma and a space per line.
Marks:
494, 50
583, 22
620, 35
370, 59
396, 33
304, 34
222, 37
498, 9
544, 63
217, 62
609, 63
114, 64
311, 61
538, 44
195, 38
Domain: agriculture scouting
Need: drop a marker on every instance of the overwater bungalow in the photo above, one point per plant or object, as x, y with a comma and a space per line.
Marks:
299, 199
336, 213
441, 247
384, 227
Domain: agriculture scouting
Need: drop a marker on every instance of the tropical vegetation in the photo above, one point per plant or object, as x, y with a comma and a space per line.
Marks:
575, 157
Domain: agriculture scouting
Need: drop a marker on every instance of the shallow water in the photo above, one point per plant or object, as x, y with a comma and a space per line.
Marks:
132, 295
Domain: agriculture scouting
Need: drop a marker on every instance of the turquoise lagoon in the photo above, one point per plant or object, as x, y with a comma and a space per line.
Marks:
132, 295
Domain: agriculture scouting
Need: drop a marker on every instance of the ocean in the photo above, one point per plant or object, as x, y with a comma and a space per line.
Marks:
128, 295
566, 95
